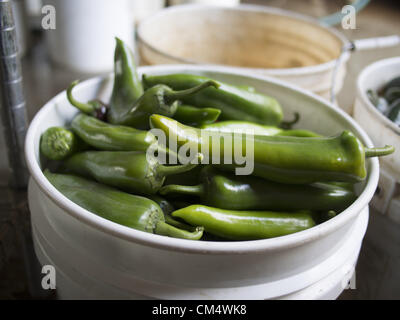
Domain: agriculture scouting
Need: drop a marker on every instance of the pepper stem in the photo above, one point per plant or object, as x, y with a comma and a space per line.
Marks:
378, 152
289, 124
165, 229
189, 190
176, 95
177, 224
84, 107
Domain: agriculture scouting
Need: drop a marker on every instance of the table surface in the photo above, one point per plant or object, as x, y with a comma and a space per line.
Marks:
43, 80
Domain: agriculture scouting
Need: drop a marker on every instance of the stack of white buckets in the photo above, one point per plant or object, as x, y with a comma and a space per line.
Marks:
95, 258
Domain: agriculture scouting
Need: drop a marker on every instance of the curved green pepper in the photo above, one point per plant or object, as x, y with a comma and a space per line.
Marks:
127, 87
228, 191
245, 225
126, 209
258, 129
193, 116
109, 137
282, 159
234, 102
58, 143
94, 108
158, 99
133, 171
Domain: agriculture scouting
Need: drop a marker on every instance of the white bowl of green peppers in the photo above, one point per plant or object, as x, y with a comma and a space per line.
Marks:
149, 265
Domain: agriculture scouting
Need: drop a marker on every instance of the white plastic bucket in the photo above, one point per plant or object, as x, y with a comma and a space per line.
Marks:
84, 36
146, 265
255, 39
382, 131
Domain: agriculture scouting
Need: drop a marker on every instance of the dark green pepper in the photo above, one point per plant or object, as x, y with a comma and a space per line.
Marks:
133, 171
228, 191
279, 158
193, 116
109, 137
126, 209
158, 99
127, 87
392, 94
234, 102
245, 225
58, 143
394, 113
258, 129
395, 82
167, 209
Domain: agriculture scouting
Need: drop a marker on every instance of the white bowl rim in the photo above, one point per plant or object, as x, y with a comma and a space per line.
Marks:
201, 247
322, 67
362, 91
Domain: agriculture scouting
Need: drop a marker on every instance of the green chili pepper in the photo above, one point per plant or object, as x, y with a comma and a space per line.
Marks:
133, 171
126, 209
127, 85
94, 108
228, 191
279, 158
58, 143
245, 225
394, 113
234, 102
193, 116
109, 137
158, 99
258, 129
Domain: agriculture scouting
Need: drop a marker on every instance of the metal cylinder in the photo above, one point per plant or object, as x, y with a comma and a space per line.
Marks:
13, 110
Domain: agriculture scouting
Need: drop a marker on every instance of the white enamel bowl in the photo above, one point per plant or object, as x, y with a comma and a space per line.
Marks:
140, 264
256, 39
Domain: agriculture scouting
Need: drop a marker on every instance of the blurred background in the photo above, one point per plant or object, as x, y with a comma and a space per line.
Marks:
82, 46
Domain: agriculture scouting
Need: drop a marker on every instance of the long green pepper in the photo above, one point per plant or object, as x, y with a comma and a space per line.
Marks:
133, 171
126, 209
234, 102
127, 87
228, 191
283, 159
109, 137
245, 225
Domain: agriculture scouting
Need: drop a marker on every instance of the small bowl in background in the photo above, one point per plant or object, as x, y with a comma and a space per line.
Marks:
382, 131
254, 39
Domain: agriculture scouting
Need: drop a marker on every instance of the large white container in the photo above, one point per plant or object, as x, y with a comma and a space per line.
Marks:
132, 263
255, 39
